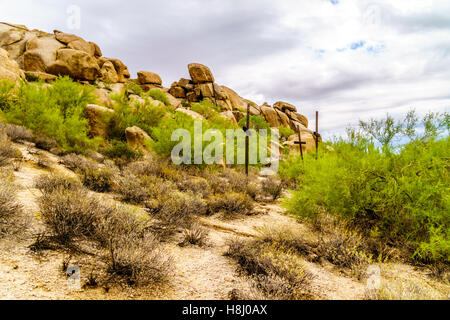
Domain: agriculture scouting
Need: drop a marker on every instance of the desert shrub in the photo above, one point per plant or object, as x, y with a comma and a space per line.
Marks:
69, 214
56, 112
8, 152
100, 179
279, 275
237, 180
396, 195
143, 115
231, 204
333, 241
44, 143
197, 186
10, 209
159, 95
206, 108
140, 189
405, 289
16, 133
273, 187
52, 182
285, 132
175, 209
121, 150
139, 261
194, 235
77, 162
6, 93
256, 122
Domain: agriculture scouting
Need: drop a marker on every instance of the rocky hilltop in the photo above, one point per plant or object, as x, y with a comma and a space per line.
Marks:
34, 54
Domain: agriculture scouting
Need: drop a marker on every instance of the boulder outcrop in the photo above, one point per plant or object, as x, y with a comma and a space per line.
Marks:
137, 138
9, 69
59, 54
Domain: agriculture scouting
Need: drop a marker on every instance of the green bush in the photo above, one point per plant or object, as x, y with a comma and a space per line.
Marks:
56, 111
285, 132
256, 123
398, 195
121, 150
142, 115
159, 95
206, 108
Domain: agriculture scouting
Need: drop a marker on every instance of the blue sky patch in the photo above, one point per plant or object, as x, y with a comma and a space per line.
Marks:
334, 2
357, 45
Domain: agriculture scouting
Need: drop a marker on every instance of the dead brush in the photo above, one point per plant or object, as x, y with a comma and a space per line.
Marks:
272, 187
195, 235
138, 262
8, 153
10, 209
335, 243
76, 162
16, 133
196, 185
69, 214
277, 274
175, 210
231, 204
342, 245
52, 182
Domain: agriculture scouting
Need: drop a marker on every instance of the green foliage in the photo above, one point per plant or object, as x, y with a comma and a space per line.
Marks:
56, 111
256, 122
121, 150
142, 115
159, 95
285, 132
399, 198
206, 108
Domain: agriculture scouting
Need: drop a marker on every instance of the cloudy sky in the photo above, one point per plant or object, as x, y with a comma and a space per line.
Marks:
349, 59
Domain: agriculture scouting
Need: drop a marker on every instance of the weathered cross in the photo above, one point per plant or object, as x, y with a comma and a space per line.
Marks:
300, 142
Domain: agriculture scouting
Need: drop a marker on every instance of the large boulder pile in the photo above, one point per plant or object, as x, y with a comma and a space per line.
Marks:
9, 69
45, 55
201, 86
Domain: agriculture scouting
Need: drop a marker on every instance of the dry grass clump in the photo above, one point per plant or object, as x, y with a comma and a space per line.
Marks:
10, 209
402, 289
176, 210
16, 133
76, 162
276, 274
101, 179
138, 261
118, 237
273, 187
69, 214
231, 204
48, 183
195, 235
335, 243
8, 153
196, 185
45, 143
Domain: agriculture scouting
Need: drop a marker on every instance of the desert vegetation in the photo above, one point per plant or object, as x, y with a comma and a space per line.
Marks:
378, 196
388, 180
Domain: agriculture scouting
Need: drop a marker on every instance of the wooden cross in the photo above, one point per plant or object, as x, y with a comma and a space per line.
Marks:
300, 142
316, 134
246, 128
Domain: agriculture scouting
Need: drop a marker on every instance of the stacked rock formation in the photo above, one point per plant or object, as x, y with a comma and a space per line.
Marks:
35, 54
201, 86
44, 55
